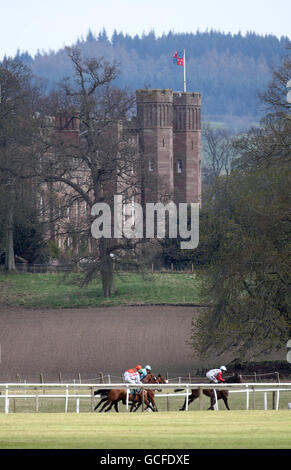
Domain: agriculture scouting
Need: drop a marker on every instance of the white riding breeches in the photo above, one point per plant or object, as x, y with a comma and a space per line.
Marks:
212, 378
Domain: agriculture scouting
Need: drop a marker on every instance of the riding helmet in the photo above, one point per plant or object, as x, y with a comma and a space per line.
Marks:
138, 367
222, 368
148, 368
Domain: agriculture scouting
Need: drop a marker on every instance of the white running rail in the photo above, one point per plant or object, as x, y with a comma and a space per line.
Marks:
70, 391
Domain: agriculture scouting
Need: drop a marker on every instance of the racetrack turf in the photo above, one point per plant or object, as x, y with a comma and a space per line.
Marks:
164, 430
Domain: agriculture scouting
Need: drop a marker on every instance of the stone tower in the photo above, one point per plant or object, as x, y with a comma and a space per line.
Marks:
187, 147
169, 129
155, 128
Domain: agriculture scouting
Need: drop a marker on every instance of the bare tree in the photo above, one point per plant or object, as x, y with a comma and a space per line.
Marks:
101, 160
218, 149
274, 98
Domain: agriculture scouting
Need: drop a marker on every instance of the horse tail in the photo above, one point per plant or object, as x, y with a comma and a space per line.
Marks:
101, 391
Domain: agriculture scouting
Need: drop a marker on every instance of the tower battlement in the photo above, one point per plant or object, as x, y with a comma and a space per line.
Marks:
192, 98
156, 94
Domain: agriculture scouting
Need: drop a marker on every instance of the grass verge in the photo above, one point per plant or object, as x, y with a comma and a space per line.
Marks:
174, 430
58, 291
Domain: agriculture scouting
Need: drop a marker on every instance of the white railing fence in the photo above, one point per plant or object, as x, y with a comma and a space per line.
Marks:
71, 392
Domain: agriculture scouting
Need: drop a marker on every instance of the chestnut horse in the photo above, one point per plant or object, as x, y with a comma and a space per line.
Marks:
221, 394
114, 396
151, 379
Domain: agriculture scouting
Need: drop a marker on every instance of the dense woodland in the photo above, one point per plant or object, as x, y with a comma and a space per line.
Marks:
227, 69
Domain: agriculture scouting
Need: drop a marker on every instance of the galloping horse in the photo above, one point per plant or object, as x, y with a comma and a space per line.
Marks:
104, 396
151, 379
116, 395
113, 396
221, 394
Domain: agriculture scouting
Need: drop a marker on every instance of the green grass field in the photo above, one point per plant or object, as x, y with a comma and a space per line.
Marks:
164, 430
58, 291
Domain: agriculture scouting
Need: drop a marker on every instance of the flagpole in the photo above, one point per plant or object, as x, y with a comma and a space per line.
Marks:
184, 62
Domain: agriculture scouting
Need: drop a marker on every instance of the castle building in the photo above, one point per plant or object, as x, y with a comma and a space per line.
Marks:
166, 135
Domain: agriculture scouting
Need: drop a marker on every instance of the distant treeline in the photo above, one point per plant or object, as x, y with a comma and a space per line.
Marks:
227, 69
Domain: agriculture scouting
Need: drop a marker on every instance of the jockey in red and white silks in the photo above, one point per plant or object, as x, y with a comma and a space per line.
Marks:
214, 375
132, 376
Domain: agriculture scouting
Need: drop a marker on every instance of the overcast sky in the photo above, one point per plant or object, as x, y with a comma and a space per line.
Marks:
29, 25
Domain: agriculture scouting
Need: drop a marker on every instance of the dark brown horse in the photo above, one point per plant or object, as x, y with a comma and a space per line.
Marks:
221, 394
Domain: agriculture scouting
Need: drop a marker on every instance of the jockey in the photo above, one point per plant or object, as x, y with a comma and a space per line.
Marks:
214, 375
143, 372
132, 376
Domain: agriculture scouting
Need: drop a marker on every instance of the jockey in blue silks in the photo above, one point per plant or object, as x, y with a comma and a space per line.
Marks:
144, 372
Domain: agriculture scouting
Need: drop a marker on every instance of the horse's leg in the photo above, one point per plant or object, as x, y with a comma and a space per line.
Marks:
150, 406
101, 401
219, 395
105, 404
110, 406
113, 403
133, 406
154, 405
184, 405
225, 399
190, 398
212, 401
114, 396
147, 401
151, 398
136, 403
116, 406
137, 407
210, 394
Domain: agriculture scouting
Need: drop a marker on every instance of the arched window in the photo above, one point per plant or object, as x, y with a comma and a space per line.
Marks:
179, 166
